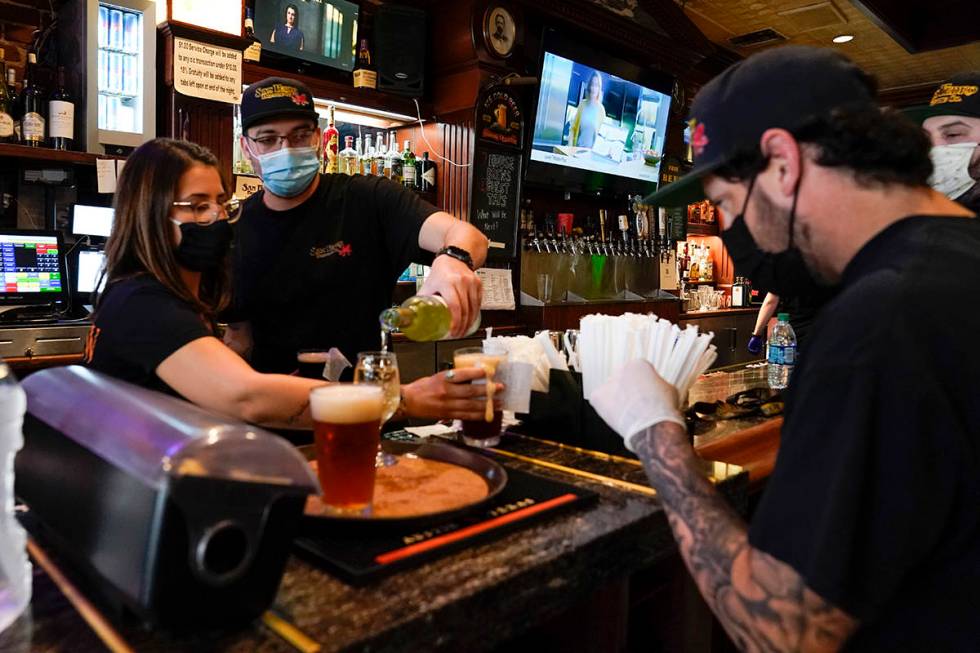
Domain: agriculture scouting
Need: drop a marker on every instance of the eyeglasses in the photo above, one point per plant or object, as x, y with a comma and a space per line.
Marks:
207, 212
272, 142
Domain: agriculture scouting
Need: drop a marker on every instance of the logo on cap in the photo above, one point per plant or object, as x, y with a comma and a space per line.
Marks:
698, 138
279, 90
948, 93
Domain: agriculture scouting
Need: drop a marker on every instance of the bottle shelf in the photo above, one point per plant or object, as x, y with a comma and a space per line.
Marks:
48, 155
702, 229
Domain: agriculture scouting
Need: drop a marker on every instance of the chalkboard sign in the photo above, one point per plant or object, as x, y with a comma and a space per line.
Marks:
677, 223
496, 197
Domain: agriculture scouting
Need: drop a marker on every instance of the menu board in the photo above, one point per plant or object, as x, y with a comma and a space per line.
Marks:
496, 198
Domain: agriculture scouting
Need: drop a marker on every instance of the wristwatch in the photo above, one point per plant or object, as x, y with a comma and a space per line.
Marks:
457, 253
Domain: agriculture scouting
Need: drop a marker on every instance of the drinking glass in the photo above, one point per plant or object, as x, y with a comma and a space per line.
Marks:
347, 431
381, 368
483, 432
546, 284
311, 362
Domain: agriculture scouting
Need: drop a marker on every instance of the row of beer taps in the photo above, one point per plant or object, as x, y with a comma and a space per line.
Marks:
643, 232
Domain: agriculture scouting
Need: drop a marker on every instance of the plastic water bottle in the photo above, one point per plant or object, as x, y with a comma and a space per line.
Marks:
782, 352
15, 568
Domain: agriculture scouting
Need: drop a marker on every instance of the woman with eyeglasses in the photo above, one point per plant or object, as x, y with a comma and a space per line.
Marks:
167, 278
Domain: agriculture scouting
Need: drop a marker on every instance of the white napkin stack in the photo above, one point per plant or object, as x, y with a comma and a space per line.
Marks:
607, 342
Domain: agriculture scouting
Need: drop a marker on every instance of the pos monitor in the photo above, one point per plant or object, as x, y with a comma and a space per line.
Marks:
32, 267
91, 220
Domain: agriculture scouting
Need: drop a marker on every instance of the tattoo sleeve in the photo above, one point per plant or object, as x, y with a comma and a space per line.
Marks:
763, 603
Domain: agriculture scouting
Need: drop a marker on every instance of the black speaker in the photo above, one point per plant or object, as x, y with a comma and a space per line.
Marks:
399, 37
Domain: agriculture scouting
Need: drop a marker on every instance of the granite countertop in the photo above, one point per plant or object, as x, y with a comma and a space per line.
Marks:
471, 600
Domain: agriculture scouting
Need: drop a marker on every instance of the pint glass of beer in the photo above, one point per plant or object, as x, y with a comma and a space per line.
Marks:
347, 429
484, 432
311, 362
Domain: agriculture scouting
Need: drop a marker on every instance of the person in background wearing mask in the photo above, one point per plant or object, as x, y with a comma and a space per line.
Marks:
952, 120
868, 533
316, 257
166, 280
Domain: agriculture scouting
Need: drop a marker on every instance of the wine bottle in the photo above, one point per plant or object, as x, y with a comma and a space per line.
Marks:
15, 109
331, 144
32, 124
422, 318
427, 174
254, 51
408, 166
365, 75
61, 115
6, 106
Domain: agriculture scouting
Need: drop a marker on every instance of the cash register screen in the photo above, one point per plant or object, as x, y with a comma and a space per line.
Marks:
31, 267
89, 268
91, 220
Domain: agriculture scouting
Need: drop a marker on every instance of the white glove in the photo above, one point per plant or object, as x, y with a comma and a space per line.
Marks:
634, 399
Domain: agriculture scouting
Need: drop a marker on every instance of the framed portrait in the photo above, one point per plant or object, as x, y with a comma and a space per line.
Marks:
499, 30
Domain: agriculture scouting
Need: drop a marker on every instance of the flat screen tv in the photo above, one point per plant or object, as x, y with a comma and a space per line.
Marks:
319, 31
600, 123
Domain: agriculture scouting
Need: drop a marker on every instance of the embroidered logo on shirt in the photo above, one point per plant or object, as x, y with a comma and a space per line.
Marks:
340, 248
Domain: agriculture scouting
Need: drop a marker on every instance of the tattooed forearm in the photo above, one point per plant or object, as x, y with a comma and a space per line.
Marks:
762, 602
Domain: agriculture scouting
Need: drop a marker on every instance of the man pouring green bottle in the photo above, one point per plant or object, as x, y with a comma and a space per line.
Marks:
317, 256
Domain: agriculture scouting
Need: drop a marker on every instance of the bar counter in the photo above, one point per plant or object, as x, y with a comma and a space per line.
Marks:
471, 600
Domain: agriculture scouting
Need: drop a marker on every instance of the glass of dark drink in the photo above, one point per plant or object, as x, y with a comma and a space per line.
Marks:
311, 362
347, 432
483, 432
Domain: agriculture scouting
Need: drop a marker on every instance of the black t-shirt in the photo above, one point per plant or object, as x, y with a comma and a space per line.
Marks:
138, 324
318, 275
875, 497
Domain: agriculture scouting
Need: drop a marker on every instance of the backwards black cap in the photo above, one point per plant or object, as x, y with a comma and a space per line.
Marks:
276, 97
960, 96
779, 88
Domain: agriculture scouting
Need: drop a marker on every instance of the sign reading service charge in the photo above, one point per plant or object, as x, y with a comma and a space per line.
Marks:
207, 71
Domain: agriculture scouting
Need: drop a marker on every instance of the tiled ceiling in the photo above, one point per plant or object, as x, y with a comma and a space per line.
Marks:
816, 22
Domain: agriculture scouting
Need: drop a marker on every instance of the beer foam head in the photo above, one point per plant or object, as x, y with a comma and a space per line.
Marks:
345, 403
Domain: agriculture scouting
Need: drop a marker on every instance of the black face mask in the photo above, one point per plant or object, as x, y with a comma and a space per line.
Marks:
784, 273
202, 248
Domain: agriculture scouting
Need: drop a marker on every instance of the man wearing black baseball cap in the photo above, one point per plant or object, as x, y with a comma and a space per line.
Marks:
952, 119
868, 534
316, 257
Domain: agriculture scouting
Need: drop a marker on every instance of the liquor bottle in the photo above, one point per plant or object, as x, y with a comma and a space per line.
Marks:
422, 318
254, 51
360, 154
348, 157
331, 145
7, 110
367, 157
389, 158
708, 268
14, 104
32, 124
408, 166
61, 115
396, 159
381, 159
427, 174
365, 75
